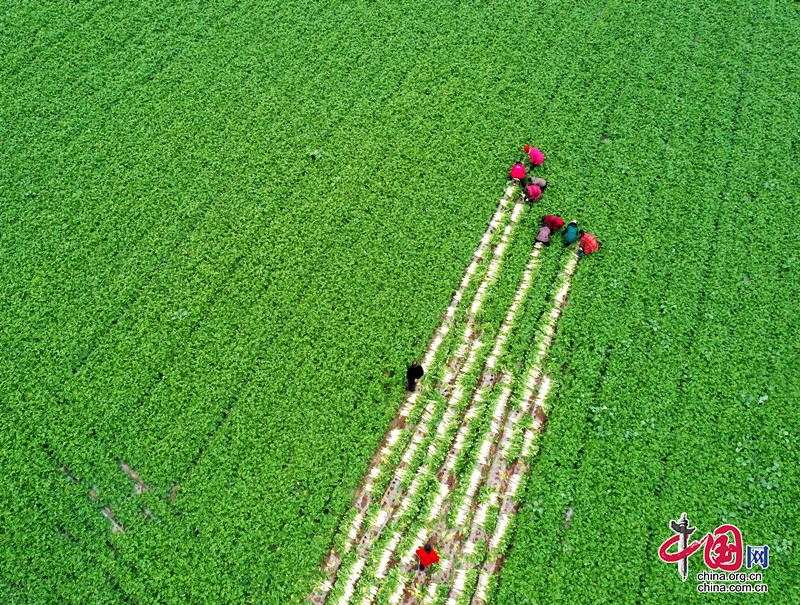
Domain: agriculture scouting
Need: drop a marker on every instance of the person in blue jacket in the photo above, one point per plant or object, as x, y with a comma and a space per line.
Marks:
571, 233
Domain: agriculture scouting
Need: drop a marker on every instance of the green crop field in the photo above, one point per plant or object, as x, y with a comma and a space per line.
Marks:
227, 227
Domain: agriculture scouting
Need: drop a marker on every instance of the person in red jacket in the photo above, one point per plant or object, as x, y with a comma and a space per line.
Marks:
554, 222
427, 556
587, 244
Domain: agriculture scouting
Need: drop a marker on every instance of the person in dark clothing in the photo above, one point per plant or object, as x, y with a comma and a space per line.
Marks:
427, 556
413, 374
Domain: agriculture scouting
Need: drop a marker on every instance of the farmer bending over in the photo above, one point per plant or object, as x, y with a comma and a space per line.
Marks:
427, 556
544, 235
536, 156
413, 374
518, 173
554, 222
571, 233
532, 193
587, 244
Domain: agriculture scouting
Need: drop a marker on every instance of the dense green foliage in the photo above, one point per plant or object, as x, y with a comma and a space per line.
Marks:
225, 228
677, 361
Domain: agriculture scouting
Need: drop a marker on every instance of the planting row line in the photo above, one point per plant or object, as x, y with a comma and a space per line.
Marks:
505, 473
417, 461
493, 471
407, 416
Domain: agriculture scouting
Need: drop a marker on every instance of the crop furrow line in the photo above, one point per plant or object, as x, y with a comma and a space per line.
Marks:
446, 474
504, 477
389, 503
364, 496
492, 468
509, 478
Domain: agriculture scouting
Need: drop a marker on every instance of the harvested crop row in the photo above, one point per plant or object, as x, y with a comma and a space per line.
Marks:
506, 475
378, 467
489, 469
391, 505
445, 475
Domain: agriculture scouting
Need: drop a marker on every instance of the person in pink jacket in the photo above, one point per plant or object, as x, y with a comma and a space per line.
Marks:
533, 193
533, 190
536, 156
518, 173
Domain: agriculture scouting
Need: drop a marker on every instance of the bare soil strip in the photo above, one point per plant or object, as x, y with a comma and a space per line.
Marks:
141, 486
115, 526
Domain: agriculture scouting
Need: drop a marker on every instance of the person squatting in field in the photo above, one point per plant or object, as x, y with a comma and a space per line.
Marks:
413, 374
571, 233
518, 173
427, 556
543, 236
533, 192
587, 244
536, 156
540, 183
554, 222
